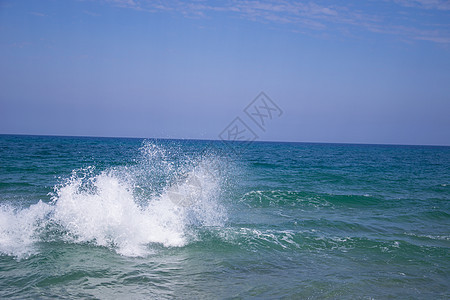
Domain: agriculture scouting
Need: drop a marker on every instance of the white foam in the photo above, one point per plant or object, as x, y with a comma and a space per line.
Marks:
110, 217
19, 229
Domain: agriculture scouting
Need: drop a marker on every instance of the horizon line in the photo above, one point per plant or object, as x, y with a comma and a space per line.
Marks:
220, 140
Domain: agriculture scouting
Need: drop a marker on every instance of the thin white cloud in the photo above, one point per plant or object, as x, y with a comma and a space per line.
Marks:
38, 14
426, 4
90, 13
20, 45
304, 15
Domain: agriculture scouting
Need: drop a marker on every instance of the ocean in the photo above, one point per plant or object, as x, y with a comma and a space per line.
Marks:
84, 217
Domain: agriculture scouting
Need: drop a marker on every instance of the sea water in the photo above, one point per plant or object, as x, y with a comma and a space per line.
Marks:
147, 218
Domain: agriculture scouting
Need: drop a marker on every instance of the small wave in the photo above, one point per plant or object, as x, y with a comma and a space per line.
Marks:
256, 240
265, 165
280, 198
435, 215
270, 198
15, 184
428, 236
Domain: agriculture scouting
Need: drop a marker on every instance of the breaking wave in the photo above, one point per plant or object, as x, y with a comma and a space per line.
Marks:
159, 199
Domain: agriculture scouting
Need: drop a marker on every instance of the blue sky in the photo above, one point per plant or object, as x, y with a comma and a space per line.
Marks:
341, 71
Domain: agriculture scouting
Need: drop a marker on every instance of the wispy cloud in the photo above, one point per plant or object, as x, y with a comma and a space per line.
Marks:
343, 18
90, 13
20, 45
427, 4
38, 14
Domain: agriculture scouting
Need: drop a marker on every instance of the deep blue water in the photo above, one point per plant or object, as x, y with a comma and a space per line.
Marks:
134, 218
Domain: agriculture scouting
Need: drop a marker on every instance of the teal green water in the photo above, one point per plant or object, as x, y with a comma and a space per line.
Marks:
132, 218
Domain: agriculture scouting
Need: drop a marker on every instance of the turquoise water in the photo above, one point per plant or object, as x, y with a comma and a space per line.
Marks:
133, 218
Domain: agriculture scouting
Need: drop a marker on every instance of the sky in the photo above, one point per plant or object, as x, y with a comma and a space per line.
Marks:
339, 71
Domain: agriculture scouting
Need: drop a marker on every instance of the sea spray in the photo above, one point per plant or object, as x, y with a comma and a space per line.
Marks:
109, 216
162, 198
20, 228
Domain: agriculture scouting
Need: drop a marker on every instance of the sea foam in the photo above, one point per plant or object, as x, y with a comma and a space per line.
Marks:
19, 228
